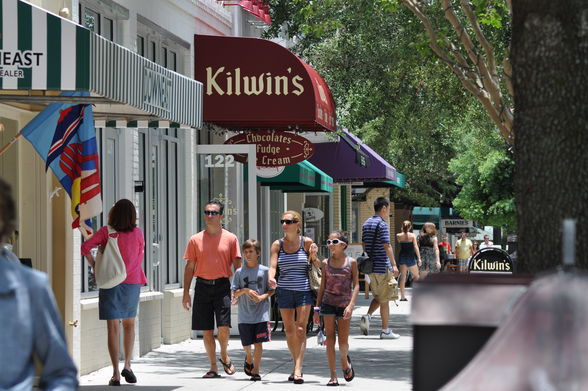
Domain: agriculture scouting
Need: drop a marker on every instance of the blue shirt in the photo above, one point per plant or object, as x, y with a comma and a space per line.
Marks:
31, 327
256, 279
378, 255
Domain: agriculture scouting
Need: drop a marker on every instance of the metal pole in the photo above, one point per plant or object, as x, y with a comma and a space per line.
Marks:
569, 242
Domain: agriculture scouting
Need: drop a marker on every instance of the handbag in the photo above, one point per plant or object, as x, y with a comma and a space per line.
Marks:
364, 264
314, 277
110, 269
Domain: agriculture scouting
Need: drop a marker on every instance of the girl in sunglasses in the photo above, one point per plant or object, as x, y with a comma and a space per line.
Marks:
292, 254
335, 301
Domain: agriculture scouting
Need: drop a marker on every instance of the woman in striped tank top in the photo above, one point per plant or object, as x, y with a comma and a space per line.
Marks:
291, 254
335, 300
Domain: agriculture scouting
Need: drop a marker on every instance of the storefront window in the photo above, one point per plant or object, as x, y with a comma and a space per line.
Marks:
316, 220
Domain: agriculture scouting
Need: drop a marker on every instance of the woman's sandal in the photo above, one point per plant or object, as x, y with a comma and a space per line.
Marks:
113, 382
247, 368
291, 377
227, 367
348, 371
298, 379
129, 376
211, 375
255, 377
333, 382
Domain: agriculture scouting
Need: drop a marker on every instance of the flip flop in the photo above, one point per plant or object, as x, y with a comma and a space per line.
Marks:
247, 368
129, 376
291, 377
211, 375
333, 382
348, 371
113, 382
298, 379
255, 377
227, 367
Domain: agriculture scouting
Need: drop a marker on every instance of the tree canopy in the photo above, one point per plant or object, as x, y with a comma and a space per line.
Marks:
390, 88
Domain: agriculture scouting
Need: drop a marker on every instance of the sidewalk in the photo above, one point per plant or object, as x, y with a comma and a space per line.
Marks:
378, 364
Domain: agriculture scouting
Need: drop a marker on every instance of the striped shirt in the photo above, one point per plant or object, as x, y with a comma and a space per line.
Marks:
293, 269
378, 255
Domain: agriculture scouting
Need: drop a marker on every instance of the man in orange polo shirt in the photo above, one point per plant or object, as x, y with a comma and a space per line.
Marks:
209, 255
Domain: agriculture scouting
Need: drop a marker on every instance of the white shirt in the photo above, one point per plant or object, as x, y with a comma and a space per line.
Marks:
484, 245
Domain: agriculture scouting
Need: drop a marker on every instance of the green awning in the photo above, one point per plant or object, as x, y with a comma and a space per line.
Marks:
399, 182
298, 178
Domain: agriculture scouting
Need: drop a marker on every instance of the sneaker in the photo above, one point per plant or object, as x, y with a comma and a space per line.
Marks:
389, 335
364, 324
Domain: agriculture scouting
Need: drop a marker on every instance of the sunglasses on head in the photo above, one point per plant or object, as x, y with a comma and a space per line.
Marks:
211, 212
286, 221
334, 241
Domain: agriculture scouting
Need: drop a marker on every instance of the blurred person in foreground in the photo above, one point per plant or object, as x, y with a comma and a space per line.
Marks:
31, 325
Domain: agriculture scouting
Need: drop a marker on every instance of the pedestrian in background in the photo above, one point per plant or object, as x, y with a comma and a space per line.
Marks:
429, 249
335, 301
444, 251
409, 258
209, 256
251, 291
121, 302
463, 251
31, 326
291, 255
486, 242
474, 246
375, 230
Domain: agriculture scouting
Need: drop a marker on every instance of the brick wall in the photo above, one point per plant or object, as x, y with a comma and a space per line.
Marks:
94, 348
149, 318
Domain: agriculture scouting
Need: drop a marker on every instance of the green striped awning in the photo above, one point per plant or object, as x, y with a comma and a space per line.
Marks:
42, 51
301, 177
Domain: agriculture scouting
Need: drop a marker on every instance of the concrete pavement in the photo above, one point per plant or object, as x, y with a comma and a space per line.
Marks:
378, 364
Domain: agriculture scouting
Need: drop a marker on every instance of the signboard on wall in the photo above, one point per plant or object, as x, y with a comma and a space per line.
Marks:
273, 148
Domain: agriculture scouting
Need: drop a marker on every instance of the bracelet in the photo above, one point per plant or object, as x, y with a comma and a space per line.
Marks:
317, 309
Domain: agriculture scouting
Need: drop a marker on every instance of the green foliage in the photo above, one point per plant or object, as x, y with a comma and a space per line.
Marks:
485, 170
393, 92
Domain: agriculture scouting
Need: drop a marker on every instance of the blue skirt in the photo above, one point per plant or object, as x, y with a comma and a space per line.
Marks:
119, 302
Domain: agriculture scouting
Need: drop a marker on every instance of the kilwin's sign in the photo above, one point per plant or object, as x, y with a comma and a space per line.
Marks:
491, 260
252, 83
275, 148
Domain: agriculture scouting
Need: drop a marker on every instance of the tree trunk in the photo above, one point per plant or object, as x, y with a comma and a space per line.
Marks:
550, 73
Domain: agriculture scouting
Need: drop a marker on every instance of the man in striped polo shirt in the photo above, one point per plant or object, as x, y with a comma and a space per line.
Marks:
384, 266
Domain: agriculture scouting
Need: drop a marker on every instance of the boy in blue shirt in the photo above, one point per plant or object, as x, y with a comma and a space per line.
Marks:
251, 290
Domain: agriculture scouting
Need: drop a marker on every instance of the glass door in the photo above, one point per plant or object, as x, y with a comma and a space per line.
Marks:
226, 177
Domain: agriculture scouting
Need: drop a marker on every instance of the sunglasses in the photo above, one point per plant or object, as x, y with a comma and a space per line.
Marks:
286, 221
334, 241
211, 212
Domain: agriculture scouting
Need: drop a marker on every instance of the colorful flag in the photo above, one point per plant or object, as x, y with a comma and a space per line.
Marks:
64, 136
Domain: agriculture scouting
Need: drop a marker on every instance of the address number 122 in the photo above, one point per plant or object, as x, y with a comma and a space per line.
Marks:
218, 161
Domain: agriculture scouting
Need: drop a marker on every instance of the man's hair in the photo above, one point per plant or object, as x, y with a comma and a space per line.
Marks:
220, 205
380, 202
487, 236
123, 216
249, 243
7, 211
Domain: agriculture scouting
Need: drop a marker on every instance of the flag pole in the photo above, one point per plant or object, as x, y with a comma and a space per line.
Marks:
4, 148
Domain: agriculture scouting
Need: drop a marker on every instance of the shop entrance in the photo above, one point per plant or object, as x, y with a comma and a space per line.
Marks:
222, 177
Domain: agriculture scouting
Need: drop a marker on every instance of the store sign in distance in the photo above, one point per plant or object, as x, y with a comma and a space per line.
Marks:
274, 148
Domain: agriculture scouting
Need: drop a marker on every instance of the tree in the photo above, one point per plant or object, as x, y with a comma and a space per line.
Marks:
485, 172
462, 39
549, 58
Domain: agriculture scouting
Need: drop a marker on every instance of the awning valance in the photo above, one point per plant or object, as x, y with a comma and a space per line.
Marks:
42, 51
253, 83
301, 177
349, 160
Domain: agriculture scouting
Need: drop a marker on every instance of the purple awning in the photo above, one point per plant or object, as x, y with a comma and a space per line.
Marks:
349, 160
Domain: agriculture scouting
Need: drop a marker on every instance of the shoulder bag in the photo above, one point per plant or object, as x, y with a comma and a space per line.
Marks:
364, 263
110, 269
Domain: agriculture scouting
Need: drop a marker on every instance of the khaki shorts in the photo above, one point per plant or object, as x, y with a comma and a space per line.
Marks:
383, 286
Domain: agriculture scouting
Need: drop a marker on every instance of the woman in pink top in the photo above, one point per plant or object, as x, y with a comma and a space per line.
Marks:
121, 301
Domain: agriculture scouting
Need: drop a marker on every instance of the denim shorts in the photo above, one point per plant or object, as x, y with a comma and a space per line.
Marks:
331, 310
293, 299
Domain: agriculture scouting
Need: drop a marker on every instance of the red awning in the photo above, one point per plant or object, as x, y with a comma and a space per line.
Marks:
252, 83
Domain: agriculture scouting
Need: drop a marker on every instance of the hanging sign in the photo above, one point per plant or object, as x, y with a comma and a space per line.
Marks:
274, 148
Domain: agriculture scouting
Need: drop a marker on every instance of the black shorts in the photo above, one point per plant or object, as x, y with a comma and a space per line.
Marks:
212, 298
254, 333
